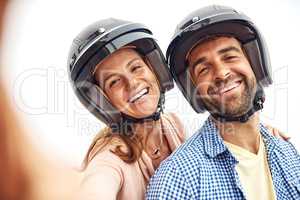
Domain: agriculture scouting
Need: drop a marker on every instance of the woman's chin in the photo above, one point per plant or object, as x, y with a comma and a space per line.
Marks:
141, 109
142, 112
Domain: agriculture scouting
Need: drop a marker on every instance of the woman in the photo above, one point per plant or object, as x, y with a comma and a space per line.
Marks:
118, 72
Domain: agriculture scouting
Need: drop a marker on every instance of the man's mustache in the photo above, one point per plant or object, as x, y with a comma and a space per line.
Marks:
220, 84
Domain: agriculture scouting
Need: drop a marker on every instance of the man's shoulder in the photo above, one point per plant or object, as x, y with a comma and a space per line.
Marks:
188, 155
284, 147
282, 152
288, 149
176, 174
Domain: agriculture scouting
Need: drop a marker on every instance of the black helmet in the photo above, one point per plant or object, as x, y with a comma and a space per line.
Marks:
217, 20
95, 43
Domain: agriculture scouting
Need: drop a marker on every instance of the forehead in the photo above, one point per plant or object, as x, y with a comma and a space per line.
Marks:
118, 59
213, 45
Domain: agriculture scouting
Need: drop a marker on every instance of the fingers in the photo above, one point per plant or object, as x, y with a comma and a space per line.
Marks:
275, 132
284, 136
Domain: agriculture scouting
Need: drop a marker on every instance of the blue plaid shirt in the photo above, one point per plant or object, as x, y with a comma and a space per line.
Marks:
203, 168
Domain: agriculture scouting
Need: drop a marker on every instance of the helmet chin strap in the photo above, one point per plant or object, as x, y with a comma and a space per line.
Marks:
258, 101
125, 126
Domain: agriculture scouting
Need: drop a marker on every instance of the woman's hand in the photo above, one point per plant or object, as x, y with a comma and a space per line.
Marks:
277, 133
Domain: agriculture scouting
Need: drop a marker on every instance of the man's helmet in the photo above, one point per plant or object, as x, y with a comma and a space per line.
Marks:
214, 21
94, 44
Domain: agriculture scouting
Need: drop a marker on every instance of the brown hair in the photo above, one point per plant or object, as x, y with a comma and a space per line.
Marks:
128, 148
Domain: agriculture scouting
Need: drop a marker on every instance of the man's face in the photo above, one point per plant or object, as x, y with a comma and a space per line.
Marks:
223, 76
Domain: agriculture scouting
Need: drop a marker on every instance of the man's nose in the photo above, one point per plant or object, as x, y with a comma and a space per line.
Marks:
221, 72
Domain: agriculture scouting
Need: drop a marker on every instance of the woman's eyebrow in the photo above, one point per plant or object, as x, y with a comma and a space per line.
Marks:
131, 61
108, 77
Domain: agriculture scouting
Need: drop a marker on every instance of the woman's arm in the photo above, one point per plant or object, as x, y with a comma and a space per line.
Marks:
103, 182
277, 133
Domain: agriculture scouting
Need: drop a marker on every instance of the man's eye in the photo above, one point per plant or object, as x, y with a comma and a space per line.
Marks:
203, 70
229, 58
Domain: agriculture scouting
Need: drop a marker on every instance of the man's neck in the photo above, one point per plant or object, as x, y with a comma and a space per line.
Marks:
245, 135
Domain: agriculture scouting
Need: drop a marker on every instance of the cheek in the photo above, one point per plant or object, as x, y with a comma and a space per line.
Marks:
117, 97
244, 68
246, 71
251, 74
149, 75
202, 86
202, 90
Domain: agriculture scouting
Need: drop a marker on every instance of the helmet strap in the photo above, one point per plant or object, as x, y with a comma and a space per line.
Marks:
124, 127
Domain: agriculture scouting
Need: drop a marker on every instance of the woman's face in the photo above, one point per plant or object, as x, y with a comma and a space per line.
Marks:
129, 83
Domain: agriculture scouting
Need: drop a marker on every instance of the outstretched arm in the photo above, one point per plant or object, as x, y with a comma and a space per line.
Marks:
102, 183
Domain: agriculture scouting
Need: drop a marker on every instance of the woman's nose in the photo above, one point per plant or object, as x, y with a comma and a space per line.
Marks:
132, 82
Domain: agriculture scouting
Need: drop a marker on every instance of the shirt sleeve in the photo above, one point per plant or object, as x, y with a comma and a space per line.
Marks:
102, 182
296, 156
168, 183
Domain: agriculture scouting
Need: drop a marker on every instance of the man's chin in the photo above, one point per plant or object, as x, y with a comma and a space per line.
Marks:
229, 110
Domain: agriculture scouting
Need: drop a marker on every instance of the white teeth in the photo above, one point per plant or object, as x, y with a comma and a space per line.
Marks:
138, 95
230, 86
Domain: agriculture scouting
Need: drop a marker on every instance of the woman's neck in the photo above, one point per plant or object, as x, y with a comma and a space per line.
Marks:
148, 130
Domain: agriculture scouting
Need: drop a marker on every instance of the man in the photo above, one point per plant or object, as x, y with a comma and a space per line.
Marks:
220, 62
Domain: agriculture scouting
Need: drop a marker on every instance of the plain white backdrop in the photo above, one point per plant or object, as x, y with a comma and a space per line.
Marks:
39, 34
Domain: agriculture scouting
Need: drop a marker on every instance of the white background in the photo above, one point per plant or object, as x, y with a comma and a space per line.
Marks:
39, 34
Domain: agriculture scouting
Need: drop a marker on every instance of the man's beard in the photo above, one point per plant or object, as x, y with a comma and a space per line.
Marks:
235, 105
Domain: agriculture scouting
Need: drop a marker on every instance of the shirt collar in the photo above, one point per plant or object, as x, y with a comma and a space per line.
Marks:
214, 144
270, 141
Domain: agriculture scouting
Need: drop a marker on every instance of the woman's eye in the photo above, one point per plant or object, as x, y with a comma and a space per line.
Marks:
113, 82
135, 68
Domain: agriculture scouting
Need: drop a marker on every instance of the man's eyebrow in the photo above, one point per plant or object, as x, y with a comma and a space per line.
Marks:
231, 48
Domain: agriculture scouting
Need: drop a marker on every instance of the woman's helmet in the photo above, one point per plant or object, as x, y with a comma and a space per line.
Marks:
94, 44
